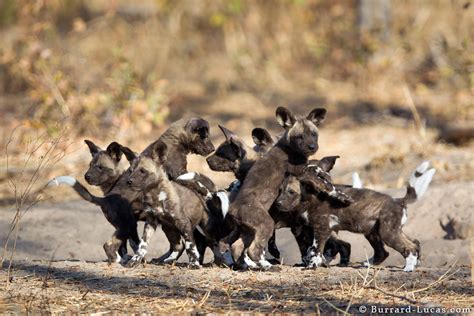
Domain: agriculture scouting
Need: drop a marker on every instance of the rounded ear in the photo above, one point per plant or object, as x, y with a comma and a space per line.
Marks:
327, 163
129, 154
284, 117
159, 152
317, 116
261, 137
227, 133
195, 124
114, 151
93, 148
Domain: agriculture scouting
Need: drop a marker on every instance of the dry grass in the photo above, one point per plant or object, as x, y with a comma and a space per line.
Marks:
96, 287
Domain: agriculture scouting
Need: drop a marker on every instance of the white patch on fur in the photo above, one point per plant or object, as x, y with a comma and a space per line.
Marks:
249, 262
162, 196
404, 217
142, 248
316, 261
118, 259
173, 255
333, 221
421, 178
369, 262
305, 216
333, 192
62, 180
199, 229
186, 176
411, 262
356, 182
263, 262
224, 202
192, 248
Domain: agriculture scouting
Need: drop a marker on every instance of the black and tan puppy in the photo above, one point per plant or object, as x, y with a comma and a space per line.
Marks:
104, 171
376, 215
183, 137
234, 155
172, 203
253, 224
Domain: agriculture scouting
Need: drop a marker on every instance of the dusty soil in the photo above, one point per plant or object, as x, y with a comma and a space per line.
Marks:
71, 232
81, 287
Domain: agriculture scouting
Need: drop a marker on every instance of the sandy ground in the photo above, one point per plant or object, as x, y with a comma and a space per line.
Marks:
71, 232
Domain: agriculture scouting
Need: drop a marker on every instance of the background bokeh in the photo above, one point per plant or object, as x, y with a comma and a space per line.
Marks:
394, 75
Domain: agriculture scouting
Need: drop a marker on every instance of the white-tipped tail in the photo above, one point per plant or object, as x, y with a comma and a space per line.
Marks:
62, 180
421, 178
224, 202
186, 176
356, 182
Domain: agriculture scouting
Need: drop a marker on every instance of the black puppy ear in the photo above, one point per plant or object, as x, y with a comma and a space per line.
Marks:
227, 133
284, 117
159, 152
129, 154
261, 137
114, 151
327, 163
317, 116
93, 148
195, 124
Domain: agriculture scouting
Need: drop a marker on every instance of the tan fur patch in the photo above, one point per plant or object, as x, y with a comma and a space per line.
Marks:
105, 161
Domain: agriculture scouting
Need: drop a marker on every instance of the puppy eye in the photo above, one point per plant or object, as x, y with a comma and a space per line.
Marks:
313, 133
292, 192
100, 168
142, 171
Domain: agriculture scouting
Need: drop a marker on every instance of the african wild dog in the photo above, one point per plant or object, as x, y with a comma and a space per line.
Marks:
181, 138
253, 225
236, 156
104, 171
290, 212
376, 215
170, 202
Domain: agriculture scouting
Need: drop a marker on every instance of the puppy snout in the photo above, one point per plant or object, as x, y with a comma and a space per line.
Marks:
130, 182
87, 177
312, 146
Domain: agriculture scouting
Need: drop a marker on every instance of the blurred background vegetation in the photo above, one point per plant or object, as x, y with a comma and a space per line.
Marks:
125, 69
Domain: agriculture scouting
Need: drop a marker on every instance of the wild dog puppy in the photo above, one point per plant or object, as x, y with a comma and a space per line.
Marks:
104, 171
253, 224
181, 138
376, 215
290, 212
171, 202
457, 228
236, 156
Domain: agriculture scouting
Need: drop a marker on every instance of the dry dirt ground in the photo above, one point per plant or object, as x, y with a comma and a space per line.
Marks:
71, 232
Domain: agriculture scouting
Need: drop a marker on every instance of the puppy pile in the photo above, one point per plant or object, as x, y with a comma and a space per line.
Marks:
276, 186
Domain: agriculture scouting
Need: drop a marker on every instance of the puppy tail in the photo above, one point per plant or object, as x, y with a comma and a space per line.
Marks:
356, 181
77, 186
419, 181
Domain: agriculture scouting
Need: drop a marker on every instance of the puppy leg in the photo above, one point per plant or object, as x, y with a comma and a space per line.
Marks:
273, 249
112, 247
263, 233
226, 242
304, 238
336, 246
176, 245
380, 254
409, 249
201, 244
321, 231
143, 244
